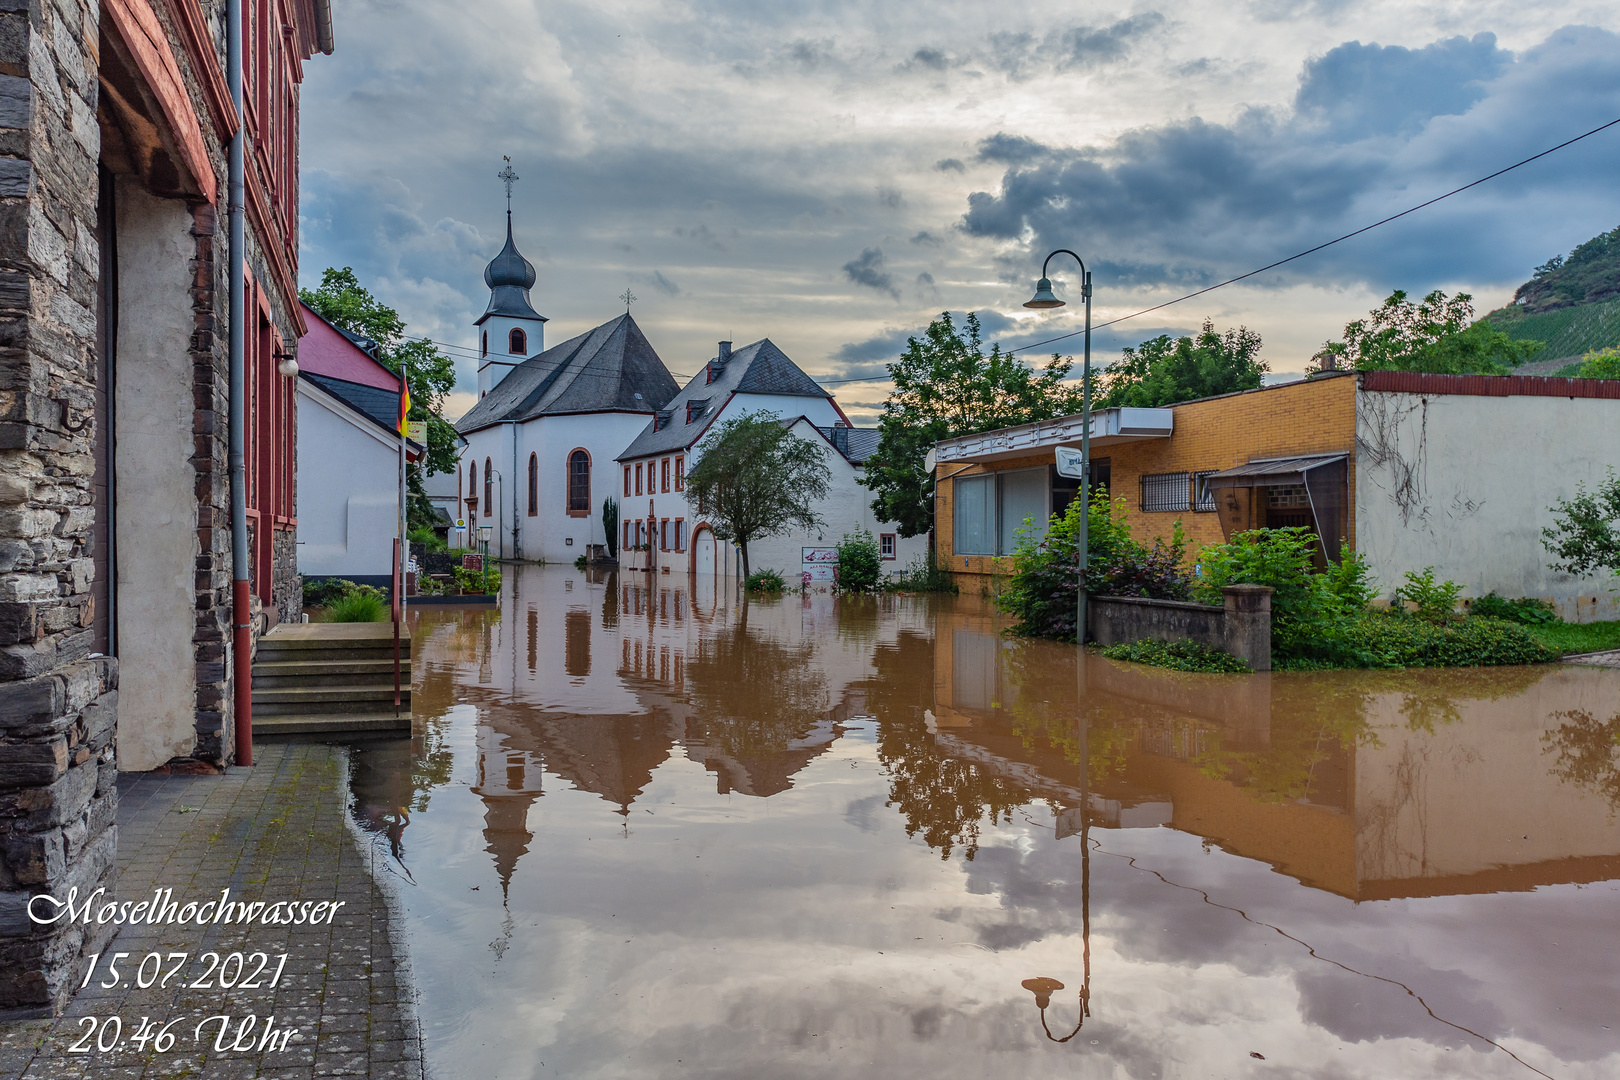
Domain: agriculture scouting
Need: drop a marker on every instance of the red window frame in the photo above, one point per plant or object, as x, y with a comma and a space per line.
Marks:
664, 470
680, 474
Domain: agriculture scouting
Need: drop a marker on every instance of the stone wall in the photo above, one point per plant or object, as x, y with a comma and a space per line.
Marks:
286, 584
1241, 627
57, 705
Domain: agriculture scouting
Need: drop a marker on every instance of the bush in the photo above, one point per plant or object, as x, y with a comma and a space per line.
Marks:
860, 562
1524, 610
323, 592
477, 582
1310, 612
1431, 601
765, 582
1382, 639
358, 607
427, 538
1044, 589
1179, 655
924, 575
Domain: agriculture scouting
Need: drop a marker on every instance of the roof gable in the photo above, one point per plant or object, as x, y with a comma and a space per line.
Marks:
601, 370
330, 351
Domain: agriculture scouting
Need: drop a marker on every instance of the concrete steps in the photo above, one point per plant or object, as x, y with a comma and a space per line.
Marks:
330, 678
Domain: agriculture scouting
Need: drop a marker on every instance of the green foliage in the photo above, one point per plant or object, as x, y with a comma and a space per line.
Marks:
1569, 331
1601, 364
1590, 272
320, 592
1310, 612
1433, 336
945, 385
580, 563
427, 538
357, 607
1043, 592
860, 562
477, 582
765, 583
1568, 638
610, 525
1382, 639
924, 575
1524, 611
1166, 370
342, 301
1585, 535
1351, 580
1588, 753
1177, 655
1431, 600
754, 478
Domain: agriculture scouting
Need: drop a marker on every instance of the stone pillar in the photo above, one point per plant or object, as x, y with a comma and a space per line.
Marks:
1248, 623
57, 702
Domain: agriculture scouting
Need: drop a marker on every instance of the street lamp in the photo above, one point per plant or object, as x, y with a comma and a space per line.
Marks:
1043, 299
483, 538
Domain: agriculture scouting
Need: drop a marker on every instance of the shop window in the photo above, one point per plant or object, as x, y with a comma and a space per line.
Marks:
991, 510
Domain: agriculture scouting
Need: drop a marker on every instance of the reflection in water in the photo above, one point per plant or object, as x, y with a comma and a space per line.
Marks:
848, 836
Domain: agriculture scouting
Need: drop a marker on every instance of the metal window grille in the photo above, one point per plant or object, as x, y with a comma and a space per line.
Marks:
1203, 494
1164, 493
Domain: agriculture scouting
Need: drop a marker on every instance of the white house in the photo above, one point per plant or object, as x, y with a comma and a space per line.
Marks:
756, 378
348, 458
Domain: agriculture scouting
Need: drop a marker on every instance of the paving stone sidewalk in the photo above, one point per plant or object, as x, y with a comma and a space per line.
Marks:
275, 832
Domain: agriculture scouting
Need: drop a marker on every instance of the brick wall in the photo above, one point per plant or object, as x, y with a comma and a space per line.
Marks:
1307, 417
57, 704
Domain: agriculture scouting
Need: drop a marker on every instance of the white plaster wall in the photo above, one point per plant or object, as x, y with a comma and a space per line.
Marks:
348, 491
498, 328
1465, 484
154, 482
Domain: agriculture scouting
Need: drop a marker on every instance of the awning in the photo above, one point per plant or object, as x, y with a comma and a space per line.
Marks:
1272, 472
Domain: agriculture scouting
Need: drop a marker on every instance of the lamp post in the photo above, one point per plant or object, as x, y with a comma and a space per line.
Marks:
483, 538
1044, 298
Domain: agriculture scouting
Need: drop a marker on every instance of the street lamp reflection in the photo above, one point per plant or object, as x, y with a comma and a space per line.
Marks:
1043, 989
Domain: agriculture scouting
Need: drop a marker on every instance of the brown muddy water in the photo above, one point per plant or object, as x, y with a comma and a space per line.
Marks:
647, 830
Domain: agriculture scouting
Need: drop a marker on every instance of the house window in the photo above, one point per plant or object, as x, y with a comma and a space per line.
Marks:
627, 535
663, 534
638, 478
991, 510
1165, 493
886, 545
534, 485
517, 342
489, 489
627, 479
664, 475
695, 409
579, 483
680, 474
680, 534
1203, 494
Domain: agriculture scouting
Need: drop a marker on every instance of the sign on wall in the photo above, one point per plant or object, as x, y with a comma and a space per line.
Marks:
819, 564
416, 431
1070, 463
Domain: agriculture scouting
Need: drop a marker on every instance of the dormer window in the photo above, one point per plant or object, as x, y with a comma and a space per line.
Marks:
517, 342
661, 419
695, 409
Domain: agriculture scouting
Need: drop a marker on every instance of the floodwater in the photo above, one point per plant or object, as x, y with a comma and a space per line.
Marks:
648, 830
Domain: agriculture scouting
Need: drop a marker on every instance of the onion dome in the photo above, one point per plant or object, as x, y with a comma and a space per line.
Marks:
510, 277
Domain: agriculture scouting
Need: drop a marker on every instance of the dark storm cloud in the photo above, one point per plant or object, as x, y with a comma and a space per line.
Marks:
1375, 129
658, 281
868, 270
1024, 54
950, 164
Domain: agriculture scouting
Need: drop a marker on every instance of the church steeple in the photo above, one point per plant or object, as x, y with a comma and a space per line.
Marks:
510, 330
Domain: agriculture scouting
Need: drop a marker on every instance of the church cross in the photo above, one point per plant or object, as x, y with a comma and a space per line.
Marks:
507, 176
629, 298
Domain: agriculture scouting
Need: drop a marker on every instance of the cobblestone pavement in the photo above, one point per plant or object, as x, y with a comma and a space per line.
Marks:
275, 832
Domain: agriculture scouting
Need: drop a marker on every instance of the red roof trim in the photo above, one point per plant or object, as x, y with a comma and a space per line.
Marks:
1412, 382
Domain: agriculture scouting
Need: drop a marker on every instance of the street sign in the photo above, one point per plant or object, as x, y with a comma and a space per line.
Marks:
461, 523
1070, 463
819, 564
416, 431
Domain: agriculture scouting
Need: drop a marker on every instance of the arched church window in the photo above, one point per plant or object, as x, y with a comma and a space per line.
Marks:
534, 485
485, 344
489, 489
517, 341
579, 483
472, 485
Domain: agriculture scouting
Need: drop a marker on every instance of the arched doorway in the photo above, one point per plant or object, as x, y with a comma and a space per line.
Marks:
703, 551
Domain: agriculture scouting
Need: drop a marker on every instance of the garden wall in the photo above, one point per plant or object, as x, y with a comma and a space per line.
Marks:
1242, 626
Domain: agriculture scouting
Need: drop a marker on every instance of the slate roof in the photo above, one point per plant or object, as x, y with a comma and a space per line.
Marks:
598, 371
372, 402
863, 442
760, 368
510, 277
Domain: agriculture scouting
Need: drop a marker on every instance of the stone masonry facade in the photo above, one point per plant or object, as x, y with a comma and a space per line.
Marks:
58, 705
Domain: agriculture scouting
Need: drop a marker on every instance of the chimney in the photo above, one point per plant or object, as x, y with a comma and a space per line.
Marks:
725, 352
840, 439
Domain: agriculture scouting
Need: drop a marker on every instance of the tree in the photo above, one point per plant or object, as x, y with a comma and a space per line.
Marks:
755, 478
1585, 536
1434, 336
945, 386
610, 525
1600, 364
345, 303
1166, 370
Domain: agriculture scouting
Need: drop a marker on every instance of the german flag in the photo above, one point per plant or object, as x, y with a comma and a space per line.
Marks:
404, 403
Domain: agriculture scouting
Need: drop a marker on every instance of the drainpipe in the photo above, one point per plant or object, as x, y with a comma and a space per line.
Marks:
241, 615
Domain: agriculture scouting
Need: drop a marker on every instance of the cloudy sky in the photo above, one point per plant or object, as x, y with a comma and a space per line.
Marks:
832, 174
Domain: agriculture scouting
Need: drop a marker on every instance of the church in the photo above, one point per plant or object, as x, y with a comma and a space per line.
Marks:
557, 431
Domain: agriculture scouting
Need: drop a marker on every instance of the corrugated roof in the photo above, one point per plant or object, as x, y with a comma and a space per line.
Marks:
1275, 469
760, 368
600, 370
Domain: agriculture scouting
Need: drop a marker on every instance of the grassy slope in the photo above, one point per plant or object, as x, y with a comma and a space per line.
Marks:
1578, 637
1568, 332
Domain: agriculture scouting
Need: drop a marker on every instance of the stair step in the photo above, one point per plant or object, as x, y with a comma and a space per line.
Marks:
332, 724
373, 672
265, 709
278, 653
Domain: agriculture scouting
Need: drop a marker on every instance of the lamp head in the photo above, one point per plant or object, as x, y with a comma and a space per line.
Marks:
1043, 989
286, 364
1044, 297
483, 533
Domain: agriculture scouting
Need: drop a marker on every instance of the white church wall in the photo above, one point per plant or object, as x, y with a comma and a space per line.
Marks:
497, 363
